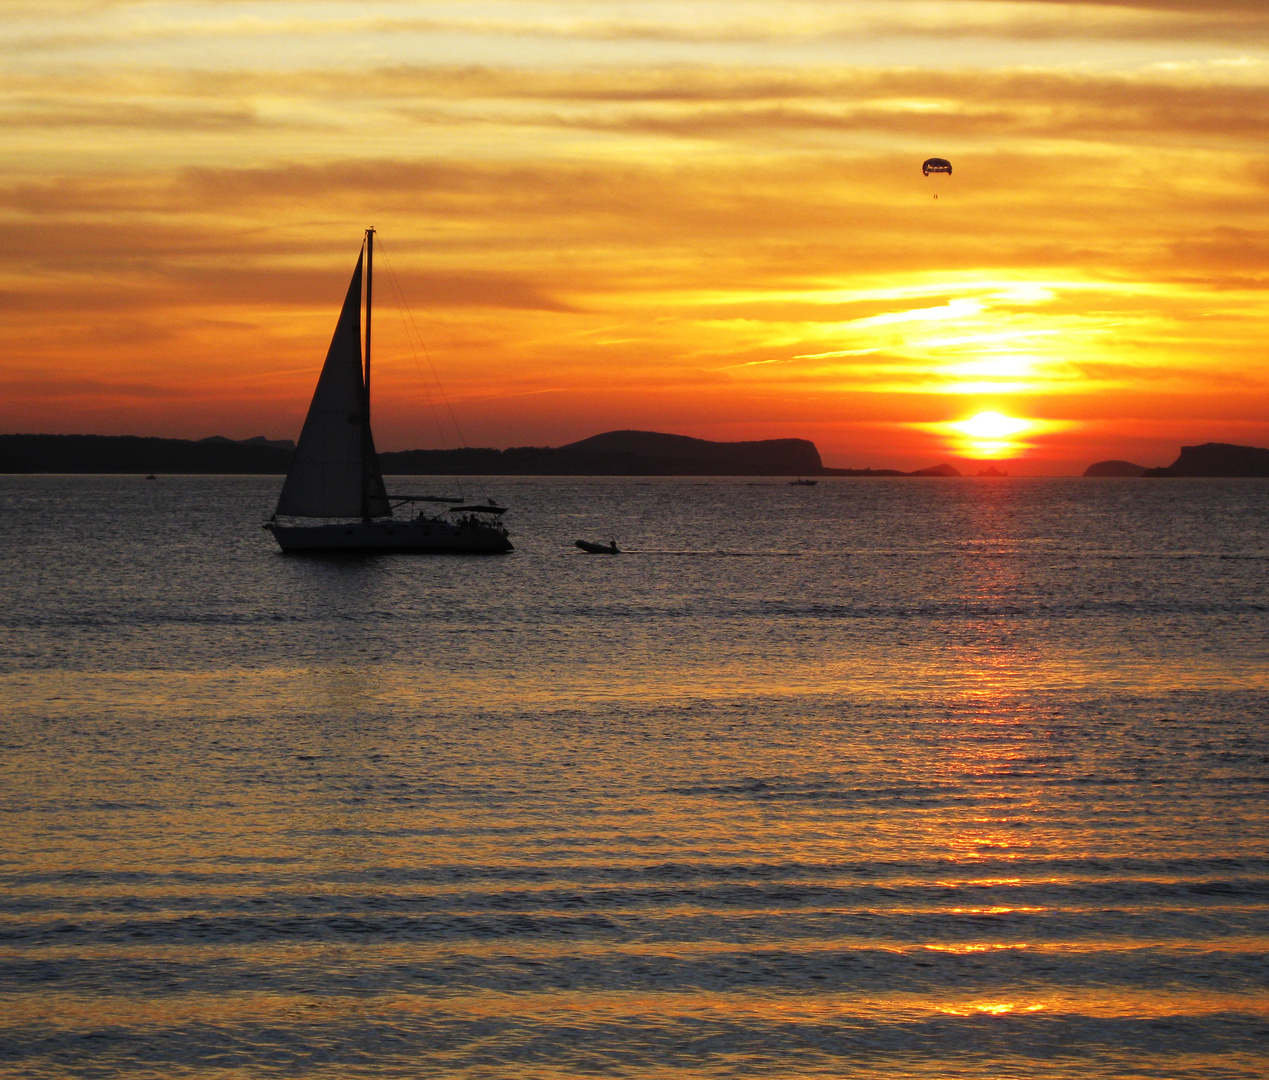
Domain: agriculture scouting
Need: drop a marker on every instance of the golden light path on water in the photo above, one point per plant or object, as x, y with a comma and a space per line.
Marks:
886, 778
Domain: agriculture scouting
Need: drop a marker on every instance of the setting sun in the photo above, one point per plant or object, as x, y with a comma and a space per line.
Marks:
990, 434
992, 425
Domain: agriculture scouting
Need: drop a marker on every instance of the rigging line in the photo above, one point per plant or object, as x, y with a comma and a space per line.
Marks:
405, 308
427, 390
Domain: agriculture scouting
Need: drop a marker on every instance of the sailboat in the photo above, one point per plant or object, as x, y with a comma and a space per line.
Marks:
335, 475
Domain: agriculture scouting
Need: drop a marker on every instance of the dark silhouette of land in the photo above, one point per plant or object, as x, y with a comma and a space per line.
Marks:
619, 453
135, 454
1115, 467
614, 453
1217, 459
1210, 459
259, 440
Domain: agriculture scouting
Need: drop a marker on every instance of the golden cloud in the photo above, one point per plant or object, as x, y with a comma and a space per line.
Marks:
747, 244
134, 24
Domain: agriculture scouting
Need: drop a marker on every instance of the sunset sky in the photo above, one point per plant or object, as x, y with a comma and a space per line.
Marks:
706, 218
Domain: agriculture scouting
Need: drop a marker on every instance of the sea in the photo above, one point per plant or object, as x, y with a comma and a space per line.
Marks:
889, 778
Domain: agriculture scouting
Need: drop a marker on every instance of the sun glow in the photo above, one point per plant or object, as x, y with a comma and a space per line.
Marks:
991, 426
989, 434
997, 367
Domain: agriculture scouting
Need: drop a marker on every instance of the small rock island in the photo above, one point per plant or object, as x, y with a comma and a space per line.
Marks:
1115, 468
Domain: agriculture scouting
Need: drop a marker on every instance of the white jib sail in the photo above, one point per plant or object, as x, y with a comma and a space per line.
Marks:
335, 472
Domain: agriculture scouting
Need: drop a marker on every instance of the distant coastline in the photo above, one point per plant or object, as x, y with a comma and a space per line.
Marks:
613, 453
139, 454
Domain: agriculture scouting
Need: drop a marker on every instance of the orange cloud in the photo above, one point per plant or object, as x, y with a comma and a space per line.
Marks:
725, 242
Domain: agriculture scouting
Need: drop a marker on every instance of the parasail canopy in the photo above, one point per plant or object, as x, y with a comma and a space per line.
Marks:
936, 165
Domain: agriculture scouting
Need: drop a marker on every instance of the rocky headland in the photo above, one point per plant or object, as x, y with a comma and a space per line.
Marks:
1217, 459
1208, 459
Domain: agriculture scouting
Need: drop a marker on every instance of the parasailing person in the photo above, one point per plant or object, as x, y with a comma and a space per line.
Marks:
936, 166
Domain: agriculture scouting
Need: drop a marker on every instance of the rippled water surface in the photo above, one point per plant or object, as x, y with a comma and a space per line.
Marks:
880, 778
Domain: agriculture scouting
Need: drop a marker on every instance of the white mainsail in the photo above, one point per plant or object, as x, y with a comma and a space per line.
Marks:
335, 471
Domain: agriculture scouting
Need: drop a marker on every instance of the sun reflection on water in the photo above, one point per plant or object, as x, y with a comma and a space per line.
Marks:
993, 1008
487, 835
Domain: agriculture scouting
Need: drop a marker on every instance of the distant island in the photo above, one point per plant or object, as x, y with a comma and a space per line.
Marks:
1115, 467
1209, 459
613, 453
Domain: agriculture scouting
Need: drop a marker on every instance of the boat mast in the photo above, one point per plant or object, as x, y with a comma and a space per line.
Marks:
365, 408
370, 281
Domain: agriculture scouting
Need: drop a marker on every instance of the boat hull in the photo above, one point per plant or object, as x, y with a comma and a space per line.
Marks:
426, 537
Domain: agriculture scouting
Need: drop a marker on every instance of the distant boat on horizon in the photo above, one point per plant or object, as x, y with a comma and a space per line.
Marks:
802, 483
335, 474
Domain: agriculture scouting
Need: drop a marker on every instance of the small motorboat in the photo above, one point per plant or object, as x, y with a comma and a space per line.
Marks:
803, 483
590, 548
